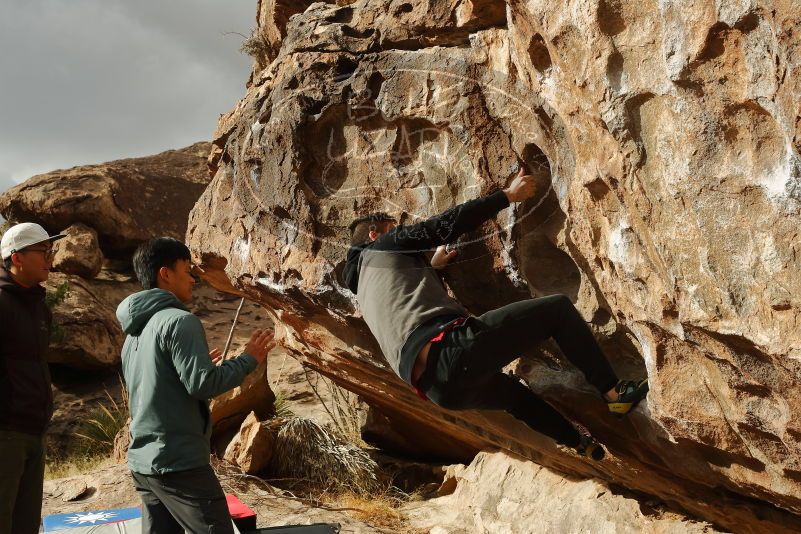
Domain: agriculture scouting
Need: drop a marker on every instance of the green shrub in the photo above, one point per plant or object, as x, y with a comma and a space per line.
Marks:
56, 296
53, 298
282, 406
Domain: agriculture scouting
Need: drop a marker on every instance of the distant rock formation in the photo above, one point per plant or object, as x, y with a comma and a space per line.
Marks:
79, 252
127, 201
105, 209
670, 135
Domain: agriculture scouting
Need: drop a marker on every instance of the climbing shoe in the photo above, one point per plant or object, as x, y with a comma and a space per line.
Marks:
629, 392
589, 447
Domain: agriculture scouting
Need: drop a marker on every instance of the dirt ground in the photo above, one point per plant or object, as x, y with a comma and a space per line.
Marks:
109, 486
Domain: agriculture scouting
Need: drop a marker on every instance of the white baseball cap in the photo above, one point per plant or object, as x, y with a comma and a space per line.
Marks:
24, 235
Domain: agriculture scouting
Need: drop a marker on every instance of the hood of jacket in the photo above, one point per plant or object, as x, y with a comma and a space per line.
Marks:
135, 311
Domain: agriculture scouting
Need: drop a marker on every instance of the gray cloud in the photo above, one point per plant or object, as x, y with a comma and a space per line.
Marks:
86, 81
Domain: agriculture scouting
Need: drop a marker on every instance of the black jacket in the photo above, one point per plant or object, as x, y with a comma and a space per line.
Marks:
401, 297
26, 398
427, 235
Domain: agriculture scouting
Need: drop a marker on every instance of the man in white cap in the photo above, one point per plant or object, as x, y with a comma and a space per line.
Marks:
26, 399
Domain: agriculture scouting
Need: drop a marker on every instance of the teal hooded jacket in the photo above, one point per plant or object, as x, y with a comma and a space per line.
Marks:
170, 378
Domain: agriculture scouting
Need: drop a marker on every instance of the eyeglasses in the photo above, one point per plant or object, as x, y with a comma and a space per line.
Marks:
48, 252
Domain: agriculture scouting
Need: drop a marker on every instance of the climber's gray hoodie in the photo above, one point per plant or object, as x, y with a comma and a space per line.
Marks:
170, 377
402, 299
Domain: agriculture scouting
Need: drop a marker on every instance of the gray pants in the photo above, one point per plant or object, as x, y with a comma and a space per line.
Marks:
21, 478
186, 501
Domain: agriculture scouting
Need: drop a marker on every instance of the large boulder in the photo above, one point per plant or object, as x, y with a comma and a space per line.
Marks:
86, 333
504, 493
670, 136
126, 201
79, 252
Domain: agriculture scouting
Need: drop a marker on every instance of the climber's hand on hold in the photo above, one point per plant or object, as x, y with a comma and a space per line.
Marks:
442, 257
521, 188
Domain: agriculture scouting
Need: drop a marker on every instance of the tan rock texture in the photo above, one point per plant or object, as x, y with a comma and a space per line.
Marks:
499, 493
86, 333
273, 16
126, 201
670, 136
121, 443
79, 253
252, 448
231, 408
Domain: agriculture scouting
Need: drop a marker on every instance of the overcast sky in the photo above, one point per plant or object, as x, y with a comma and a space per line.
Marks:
87, 81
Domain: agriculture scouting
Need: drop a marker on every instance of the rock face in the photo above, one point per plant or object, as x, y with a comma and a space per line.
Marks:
121, 443
670, 136
498, 493
126, 201
231, 408
273, 16
86, 333
78, 253
252, 448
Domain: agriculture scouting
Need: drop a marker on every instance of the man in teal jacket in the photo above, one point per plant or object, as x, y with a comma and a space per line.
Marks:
170, 376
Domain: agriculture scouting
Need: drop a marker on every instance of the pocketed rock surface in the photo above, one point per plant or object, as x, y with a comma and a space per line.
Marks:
669, 136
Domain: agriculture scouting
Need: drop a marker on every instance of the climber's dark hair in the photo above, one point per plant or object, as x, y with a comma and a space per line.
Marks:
360, 228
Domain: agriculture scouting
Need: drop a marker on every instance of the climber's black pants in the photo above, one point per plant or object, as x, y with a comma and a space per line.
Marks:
464, 370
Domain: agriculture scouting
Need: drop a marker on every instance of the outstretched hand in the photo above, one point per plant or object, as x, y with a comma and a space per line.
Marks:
521, 188
442, 257
261, 342
216, 356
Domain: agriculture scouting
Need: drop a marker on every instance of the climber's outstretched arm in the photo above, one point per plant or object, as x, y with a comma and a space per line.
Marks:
452, 223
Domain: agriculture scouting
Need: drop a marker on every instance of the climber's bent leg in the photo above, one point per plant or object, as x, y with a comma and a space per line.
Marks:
507, 332
504, 392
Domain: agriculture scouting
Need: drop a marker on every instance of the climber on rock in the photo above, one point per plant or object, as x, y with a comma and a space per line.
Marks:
456, 359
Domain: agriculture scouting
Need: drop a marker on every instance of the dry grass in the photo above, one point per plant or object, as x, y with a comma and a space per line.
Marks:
282, 406
255, 46
94, 440
326, 456
328, 466
380, 509
306, 450
73, 464
106, 420
343, 408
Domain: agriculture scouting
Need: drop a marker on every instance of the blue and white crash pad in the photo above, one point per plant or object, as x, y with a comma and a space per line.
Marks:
120, 520
116, 521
